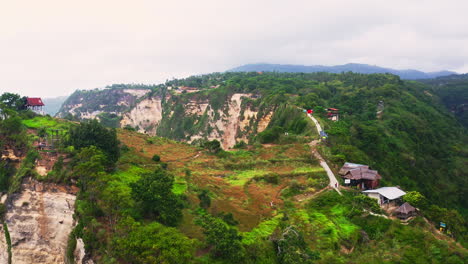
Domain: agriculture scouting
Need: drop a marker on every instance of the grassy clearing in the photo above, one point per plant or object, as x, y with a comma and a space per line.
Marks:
242, 177
145, 146
45, 122
130, 175
308, 170
179, 186
262, 231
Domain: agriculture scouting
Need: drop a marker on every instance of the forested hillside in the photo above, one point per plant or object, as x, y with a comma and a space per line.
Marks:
350, 67
453, 91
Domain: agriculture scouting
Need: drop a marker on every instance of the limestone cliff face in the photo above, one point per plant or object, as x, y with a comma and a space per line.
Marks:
39, 221
184, 117
230, 124
233, 121
145, 116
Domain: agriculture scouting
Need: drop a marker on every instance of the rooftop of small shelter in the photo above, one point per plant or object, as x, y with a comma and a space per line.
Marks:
390, 193
355, 171
349, 166
34, 101
405, 208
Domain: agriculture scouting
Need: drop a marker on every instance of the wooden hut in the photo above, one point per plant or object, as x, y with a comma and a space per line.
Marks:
360, 175
405, 211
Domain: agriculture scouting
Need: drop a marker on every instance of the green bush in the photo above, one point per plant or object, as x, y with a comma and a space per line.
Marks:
3, 211
156, 158
205, 200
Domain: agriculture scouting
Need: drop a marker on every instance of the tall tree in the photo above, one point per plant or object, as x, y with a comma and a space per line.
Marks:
225, 239
92, 133
12, 101
153, 192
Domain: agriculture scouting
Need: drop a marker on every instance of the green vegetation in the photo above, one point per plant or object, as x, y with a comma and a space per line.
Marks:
26, 169
92, 133
453, 93
153, 193
44, 122
225, 239
152, 243
8, 241
263, 231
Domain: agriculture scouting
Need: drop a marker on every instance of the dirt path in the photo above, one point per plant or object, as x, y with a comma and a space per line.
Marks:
308, 196
323, 163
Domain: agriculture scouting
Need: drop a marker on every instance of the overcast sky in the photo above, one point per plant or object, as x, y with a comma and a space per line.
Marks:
52, 47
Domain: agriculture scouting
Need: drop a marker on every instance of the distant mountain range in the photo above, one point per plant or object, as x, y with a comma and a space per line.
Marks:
52, 105
350, 67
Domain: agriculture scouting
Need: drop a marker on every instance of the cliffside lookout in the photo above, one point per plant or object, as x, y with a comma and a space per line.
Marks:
35, 104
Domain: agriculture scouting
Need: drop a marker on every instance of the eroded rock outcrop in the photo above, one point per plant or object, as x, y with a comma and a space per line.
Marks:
39, 219
232, 125
145, 116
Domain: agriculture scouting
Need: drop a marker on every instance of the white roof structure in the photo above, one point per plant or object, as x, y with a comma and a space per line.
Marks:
390, 193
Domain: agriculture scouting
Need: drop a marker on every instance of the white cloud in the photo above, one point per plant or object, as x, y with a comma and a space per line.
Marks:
51, 48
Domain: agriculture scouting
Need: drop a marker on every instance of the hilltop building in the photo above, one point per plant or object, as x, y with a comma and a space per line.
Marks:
360, 175
35, 104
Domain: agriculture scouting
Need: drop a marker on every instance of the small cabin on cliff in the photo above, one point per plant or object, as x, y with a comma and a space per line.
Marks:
360, 175
35, 104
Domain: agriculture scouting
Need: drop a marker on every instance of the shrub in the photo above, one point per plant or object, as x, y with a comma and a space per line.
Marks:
240, 145
212, 146
156, 158
3, 211
129, 128
205, 200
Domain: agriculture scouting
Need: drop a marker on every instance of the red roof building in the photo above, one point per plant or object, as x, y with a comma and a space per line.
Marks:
333, 114
34, 101
35, 104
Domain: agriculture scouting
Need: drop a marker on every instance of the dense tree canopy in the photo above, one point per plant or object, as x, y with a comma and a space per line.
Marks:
92, 133
153, 192
151, 244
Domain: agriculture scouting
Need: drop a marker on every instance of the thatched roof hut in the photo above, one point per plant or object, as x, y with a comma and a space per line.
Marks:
405, 210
